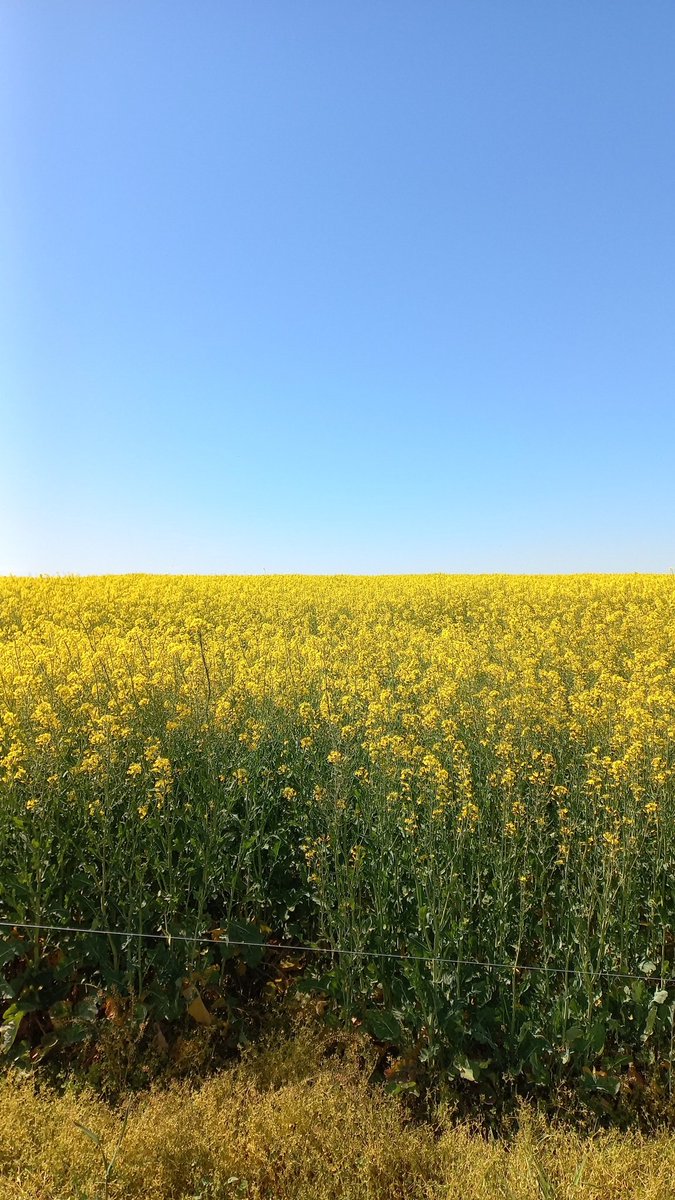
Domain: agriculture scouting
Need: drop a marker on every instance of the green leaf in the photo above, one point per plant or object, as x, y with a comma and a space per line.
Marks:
21, 1007
596, 1037
307, 984
8, 1032
574, 1036
650, 1022
383, 1026
402, 1087
251, 945
607, 1084
88, 1133
470, 1069
8, 951
74, 1032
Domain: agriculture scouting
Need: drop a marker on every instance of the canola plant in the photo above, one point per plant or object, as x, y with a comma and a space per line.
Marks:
456, 792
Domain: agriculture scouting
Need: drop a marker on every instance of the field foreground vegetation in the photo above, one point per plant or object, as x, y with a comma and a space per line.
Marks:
440, 807
289, 1124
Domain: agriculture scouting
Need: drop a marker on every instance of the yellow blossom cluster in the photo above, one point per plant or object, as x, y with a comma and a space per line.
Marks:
447, 690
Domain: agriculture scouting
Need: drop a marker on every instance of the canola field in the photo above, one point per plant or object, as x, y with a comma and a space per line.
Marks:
456, 793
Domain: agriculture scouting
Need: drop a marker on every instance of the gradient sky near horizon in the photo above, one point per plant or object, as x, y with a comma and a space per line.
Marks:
328, 287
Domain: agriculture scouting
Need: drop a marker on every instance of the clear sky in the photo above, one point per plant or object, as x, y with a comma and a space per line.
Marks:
337, 285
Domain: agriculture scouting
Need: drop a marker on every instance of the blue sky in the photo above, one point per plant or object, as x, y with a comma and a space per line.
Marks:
362, 286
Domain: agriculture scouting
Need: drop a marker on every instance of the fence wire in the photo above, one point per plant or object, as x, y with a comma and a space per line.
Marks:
220, 938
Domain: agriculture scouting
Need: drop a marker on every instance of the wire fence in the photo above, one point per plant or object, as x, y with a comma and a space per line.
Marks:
218, 937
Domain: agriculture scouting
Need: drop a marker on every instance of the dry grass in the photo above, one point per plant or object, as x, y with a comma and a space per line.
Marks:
291, 1124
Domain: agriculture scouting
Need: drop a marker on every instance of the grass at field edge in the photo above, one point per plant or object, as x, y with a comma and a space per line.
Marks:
289, 1123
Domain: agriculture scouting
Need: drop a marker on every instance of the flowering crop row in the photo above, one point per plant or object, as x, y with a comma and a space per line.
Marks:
445, 768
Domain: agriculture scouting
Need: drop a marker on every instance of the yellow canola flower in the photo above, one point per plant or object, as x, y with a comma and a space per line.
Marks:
435, 692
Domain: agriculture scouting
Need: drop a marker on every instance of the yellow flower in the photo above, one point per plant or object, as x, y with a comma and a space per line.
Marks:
470, 813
